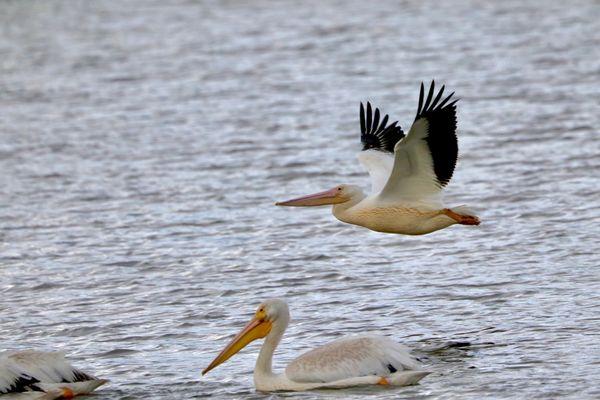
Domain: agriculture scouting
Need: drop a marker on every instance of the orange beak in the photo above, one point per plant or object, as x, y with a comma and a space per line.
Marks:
331, 196
257, 328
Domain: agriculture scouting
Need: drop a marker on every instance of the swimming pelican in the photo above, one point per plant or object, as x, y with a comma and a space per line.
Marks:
408, 173
351, 361
42, 375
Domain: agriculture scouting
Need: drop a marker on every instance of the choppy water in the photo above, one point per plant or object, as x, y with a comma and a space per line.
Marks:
142, 146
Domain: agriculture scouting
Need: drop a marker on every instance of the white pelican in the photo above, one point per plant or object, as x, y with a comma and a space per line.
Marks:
42, 375
407, 173
351, 361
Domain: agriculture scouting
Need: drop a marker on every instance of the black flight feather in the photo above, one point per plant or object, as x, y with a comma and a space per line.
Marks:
80, 376
362, 118
378, 135
21, 384
441, 138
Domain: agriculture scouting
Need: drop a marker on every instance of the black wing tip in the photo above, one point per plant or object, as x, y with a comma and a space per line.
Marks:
434, 105
375, 132
440, 113
20, 384
80, 376
363, 128
453, 103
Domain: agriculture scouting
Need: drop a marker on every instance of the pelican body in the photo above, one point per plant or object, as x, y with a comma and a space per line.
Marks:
408, 173
352, 361
42, 375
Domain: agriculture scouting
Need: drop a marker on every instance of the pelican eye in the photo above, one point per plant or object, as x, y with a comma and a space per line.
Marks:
261, 314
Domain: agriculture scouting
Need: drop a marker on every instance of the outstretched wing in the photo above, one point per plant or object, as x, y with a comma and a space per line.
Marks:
378, 141
424, 160
350, 358
376, 135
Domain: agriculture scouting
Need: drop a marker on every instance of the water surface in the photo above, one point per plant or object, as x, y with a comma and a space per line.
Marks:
142, 146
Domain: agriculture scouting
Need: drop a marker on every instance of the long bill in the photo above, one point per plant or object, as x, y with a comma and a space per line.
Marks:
257, 328
331, 196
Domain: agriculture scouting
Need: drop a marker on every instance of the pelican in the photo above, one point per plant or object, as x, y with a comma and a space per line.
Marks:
408, 173
42, 375
351, 361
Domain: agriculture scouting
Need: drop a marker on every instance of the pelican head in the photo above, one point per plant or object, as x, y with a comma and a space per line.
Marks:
336, 195
270, 318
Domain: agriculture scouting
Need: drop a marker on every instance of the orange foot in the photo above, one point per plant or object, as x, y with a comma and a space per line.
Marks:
469, 220
461, 219
383, 381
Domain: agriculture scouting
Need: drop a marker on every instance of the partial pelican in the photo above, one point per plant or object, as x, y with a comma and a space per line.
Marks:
42, 375
350, 361
407, 173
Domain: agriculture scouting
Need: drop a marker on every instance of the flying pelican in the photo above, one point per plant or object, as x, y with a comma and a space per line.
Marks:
408, 173
42, 375
351, 361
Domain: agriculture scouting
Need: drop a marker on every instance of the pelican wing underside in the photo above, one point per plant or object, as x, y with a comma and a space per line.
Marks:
379, 166
378, 140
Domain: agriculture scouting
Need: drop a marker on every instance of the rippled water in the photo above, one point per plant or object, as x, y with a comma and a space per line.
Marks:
142, 146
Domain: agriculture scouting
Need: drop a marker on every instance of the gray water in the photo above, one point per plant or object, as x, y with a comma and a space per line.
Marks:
143, 144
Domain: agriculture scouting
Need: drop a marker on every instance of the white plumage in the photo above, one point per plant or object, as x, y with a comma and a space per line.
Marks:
49, 395
412, 178
44, 375
408, 173
352, 361
351, 357
379, 166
